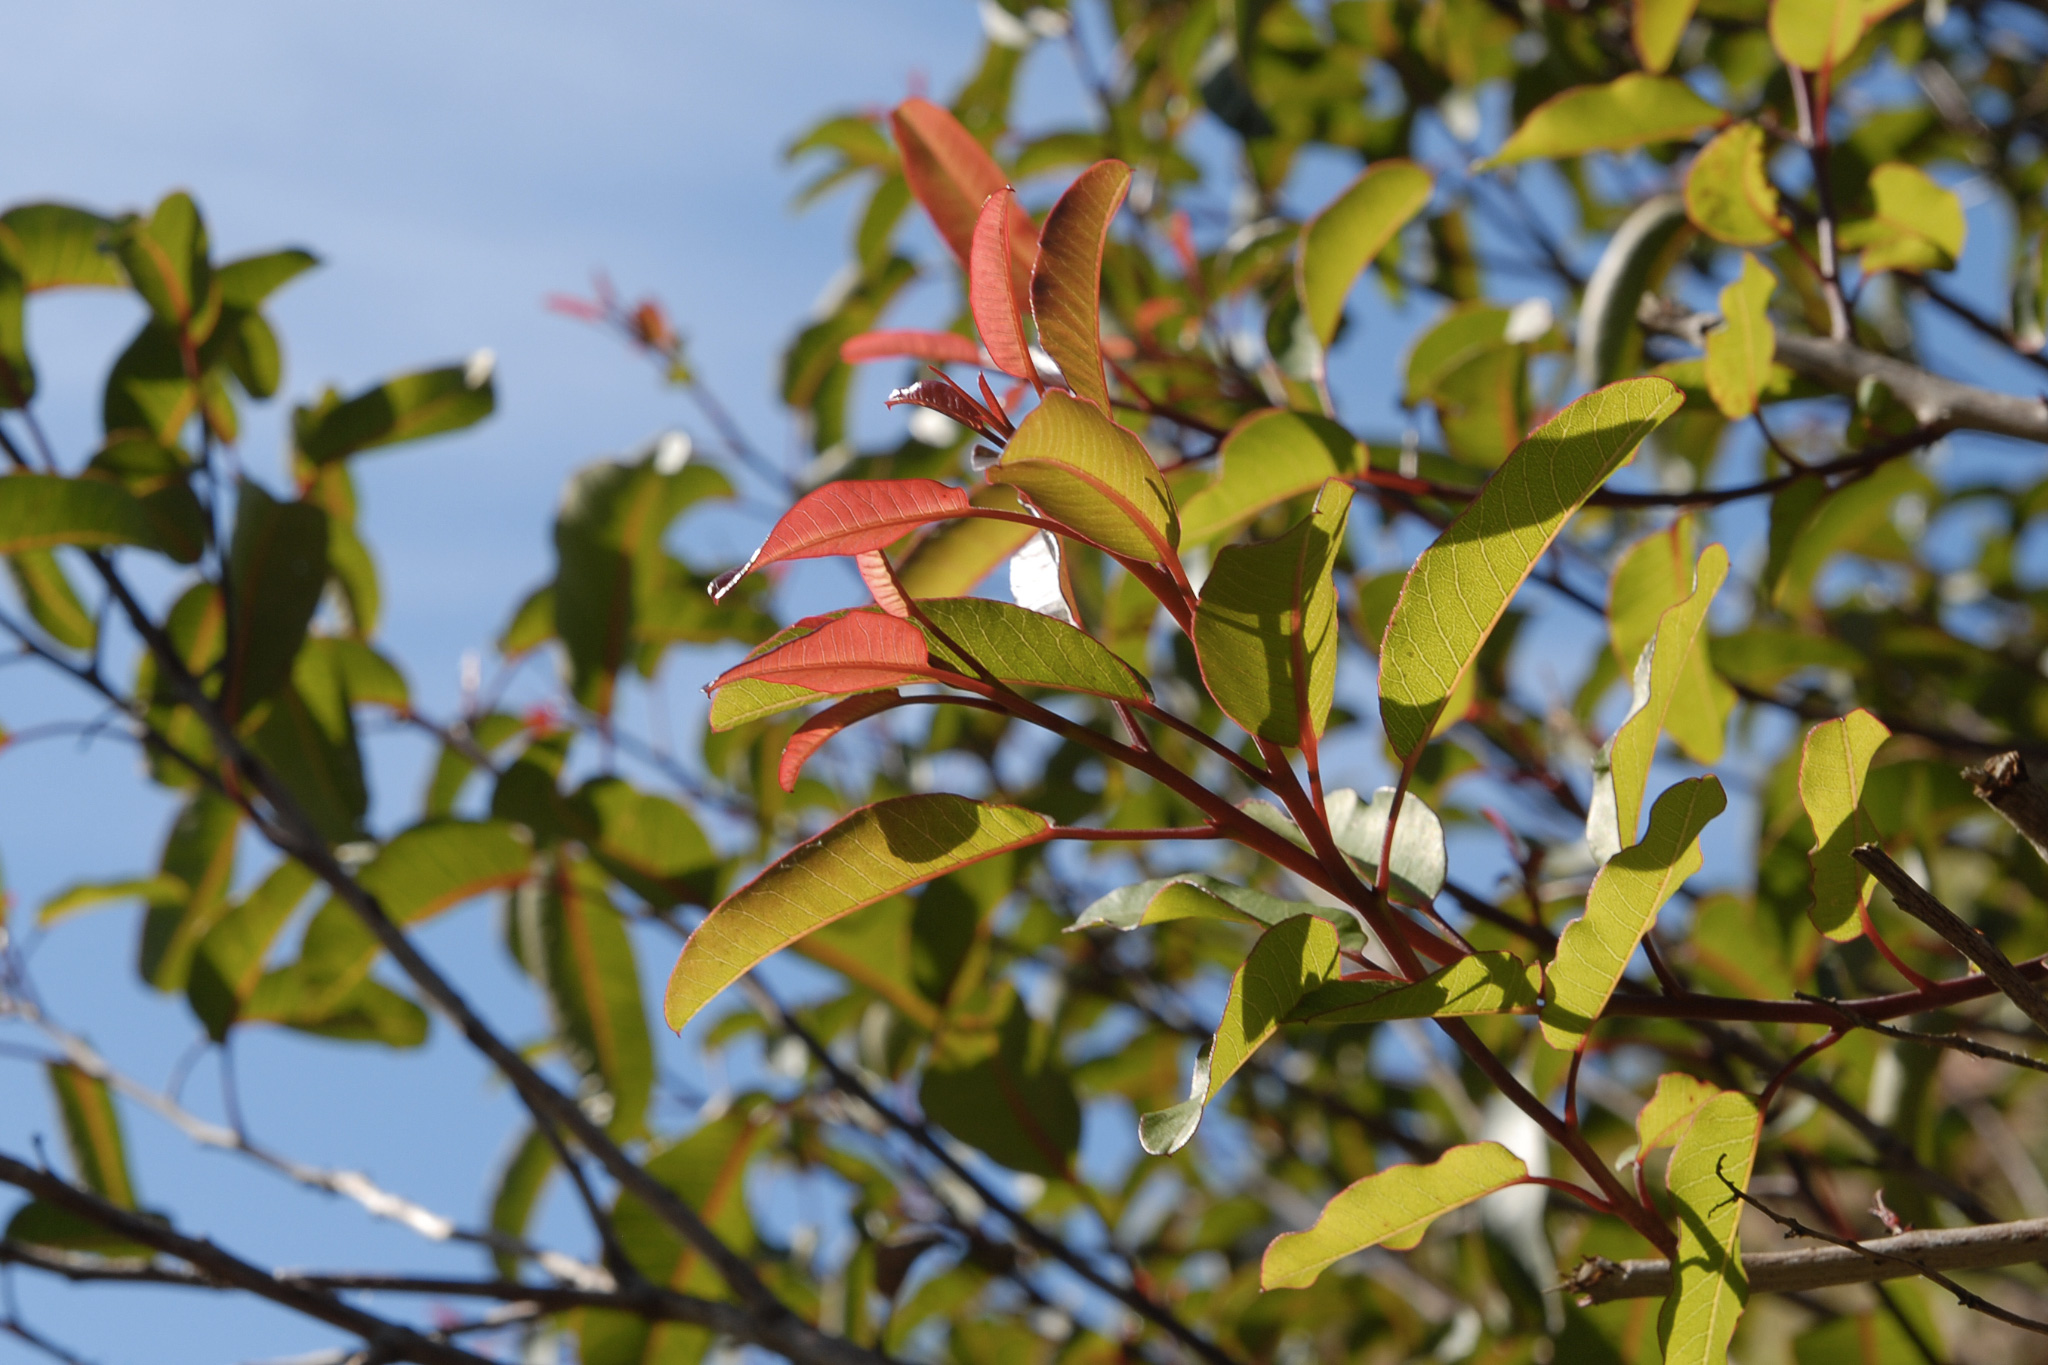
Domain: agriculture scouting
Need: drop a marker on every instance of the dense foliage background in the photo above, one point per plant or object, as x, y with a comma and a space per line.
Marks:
921, 1127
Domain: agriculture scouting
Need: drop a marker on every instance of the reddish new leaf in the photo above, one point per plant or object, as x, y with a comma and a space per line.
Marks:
940, 348
812, 734
992, 291
848, 517
882, 584
1066, 283
860, 650
953, 175
949, 399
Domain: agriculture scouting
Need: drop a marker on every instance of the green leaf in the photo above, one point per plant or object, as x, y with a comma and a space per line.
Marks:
573, 941
1818, 522
1266, 627
1461, 336
870, 855
1269, 457
1653, 575
1027, 649
160, 476
955, 557
1657, 26
38, 511
1670, 1111
92, 1133
57, 245
368, 1012
167, 263
84, 896
1341, 240
1066, 283
1708, 1287
229, 961
1660, 671
1832, 770
1637, 257
408, 408
277, 564
199, 855
1393, 1207
247, 282
1482, 983
1083, 470
1595, 948
1740, 350
521, 1182
1728, 192
1633, 111
1460, 586
1816, 35
17, 371
646, 841
1918, 225
47, 593
37, 1223
1289, 960
1196, 895
1359, 828
1006, 1094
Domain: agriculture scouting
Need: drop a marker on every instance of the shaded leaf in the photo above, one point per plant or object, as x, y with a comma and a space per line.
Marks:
408, 408
1918, 224
46, 591
1482, 983
199, 855
521, 1182
1008, 1096
1624, 900
1832, 770
1728, 193
1269, 457
1653, 575
1083, 470
1393, 1207
1708, 1287
277, 564
1196, 895
1631, 111
1458, 588
940, 348
1066, 280
954, 558
647, 841
1342, 239
813, 733
871, 854
229, 961
1636, 257
38, 511
1419, 860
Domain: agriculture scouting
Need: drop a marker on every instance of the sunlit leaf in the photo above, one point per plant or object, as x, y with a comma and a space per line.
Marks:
166, 260
1918, 224
1670, 1111
1816, 35
1596, 947
1418, 858
1196, 895
940, 348
1066, 281
198, 855
1269, 457
992, 291
813, 733
1083, 470
1266, 627
1342, 239
954, 557
1653, 575
1740, 350
92, 1133
1393, 1208
1656, 26
849, 516
1832, 771
1728, 191
1459, 587
229, 961
1632, 111
647, 841
38, 511
873, 853
856, 652
54, 604
1482, 983
58, 245
1289, 960
953, 175
1026, 648
1708, 1287
408, 408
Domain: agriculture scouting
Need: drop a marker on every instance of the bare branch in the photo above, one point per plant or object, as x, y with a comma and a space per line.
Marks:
1964, 938
2004, 785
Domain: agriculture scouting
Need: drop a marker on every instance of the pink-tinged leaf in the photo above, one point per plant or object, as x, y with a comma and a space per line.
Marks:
882, 584
940, 348
1066, 282
849, 517
812, 734
953, 175
858, 651
949, 400
992, 291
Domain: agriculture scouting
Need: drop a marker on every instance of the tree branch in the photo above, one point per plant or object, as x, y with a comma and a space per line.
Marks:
2003, 784
1964, 938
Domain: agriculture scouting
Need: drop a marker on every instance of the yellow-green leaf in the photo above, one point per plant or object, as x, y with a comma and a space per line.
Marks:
1066, 284
1659, 672
1027, 649
1458, 588
1289, 960
56, 245
1269, 457
1621, 906
1708, 1287
1816, 35
1657, 27
47, 593
1918, 225
1635, 261
1393, 1208
1729, 195
870, 855
408, 408
1741, 349
1670, 1111
92, 1132
1266, 627
1832, 770
38, 511
955, 556
1079, 468
1483, 983
1633, 111
1655, 574
1356, 226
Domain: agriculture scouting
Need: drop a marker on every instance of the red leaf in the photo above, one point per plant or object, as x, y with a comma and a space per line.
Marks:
992, 292
953, 175
850, 516
1066, 284
944, 396
812, 734
882, 584
940, 348
858, 651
